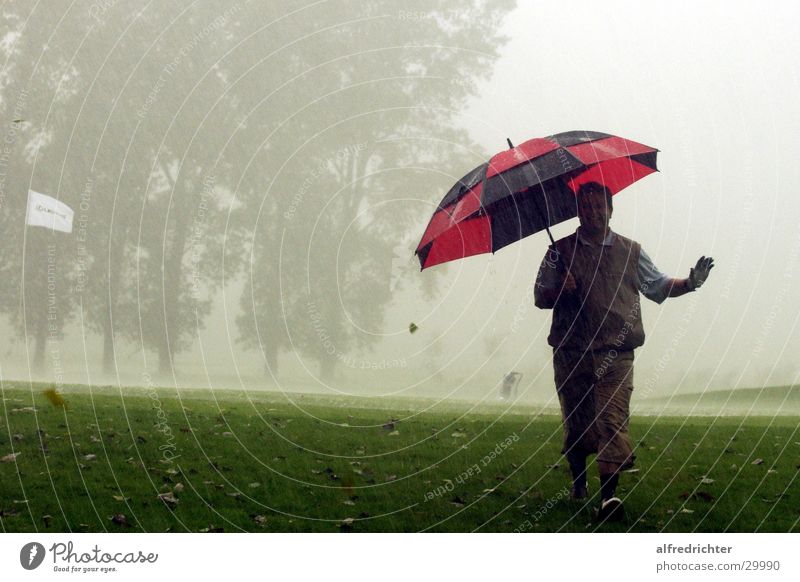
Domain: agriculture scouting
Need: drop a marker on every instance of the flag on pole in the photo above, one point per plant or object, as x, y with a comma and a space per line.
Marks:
48, 212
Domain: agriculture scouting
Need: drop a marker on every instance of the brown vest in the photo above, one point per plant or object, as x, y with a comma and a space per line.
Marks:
604, 313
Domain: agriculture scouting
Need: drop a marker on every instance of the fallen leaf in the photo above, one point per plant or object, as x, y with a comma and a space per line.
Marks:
9, 458
260, 520
89, 457
178, 488
394, 433
120, 519
55, 398
169, 499
684, 510
47, 519
757, 462
706, 481
18, 437
459, 434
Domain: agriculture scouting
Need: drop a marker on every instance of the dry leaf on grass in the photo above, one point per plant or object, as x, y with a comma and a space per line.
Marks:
169, 499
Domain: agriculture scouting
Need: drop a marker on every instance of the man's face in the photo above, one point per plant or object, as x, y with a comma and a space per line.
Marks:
594, 212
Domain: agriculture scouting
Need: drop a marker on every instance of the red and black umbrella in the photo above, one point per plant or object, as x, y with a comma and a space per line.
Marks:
528, 188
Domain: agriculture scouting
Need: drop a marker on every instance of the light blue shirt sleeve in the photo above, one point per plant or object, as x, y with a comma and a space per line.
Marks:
652, 283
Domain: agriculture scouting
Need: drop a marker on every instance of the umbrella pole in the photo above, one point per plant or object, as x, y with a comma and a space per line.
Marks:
547, 226
552, 241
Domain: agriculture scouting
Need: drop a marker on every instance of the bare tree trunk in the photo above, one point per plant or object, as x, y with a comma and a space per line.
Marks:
271, 363
108, 346
114, 265
39, 350
164, 358
173, 266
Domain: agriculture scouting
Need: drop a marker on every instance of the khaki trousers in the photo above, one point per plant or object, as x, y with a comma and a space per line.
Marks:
594, 389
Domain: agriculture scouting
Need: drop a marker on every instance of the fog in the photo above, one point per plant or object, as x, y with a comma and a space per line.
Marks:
250, 181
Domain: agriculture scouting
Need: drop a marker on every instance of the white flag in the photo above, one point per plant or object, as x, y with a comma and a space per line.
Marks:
48, 212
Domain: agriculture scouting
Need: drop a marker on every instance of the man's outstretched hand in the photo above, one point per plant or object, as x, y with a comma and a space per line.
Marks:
700, 272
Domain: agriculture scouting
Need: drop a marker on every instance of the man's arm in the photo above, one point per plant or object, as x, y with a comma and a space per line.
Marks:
657, 286
678, 287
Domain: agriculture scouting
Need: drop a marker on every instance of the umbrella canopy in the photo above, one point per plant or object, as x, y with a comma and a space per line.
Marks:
528, 188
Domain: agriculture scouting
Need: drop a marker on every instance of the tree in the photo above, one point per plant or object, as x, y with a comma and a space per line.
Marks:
370, 121
36, 267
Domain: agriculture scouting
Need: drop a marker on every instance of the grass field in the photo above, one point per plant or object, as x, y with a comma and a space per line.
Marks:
201, 461
772, 400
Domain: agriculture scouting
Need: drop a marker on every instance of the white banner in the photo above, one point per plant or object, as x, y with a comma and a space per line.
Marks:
350, 557
48, 212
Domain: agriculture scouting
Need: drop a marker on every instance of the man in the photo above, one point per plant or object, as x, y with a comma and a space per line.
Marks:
592, 280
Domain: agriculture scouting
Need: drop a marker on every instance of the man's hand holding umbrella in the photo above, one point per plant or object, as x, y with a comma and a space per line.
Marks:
570, 286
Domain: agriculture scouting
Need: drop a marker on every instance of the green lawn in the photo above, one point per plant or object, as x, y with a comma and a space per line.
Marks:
233, 462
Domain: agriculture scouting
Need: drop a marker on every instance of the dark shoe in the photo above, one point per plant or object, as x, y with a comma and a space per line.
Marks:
611, 510
579, 492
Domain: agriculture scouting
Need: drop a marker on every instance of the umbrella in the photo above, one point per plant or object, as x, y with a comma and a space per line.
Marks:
526, 189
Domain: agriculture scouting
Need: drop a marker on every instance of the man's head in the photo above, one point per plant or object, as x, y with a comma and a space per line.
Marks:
594, 208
